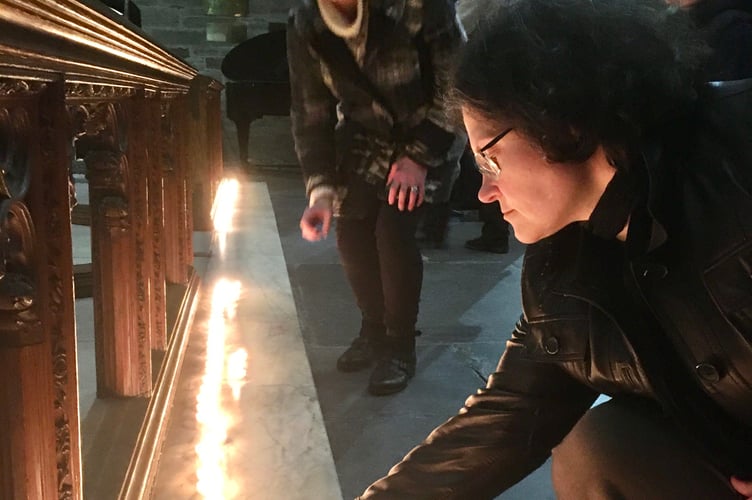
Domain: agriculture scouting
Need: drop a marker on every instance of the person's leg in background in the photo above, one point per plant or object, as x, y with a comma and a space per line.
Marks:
434, 225
401, 268
356, 242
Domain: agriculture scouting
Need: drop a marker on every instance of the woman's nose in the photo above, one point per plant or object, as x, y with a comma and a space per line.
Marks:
488, 193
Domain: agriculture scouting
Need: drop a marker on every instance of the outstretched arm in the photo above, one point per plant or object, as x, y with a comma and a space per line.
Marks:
503, 433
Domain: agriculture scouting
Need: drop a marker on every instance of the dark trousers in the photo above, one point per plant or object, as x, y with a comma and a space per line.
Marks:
625, 449
383, 264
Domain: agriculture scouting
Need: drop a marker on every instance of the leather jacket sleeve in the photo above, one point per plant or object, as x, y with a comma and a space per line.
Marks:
503, 433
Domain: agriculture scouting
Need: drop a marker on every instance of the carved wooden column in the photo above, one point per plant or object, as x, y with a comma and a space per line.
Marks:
206, 166
139, 157
116, 159
156, 216
39, 442
176, 123
200, 174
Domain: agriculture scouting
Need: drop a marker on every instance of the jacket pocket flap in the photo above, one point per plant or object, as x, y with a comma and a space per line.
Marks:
558, 338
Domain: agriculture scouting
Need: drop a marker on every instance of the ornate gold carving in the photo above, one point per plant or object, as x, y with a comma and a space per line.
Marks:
115, 212
106, 172
20, 88
97, 126
15, 175
98, 92
19, 322
59, 300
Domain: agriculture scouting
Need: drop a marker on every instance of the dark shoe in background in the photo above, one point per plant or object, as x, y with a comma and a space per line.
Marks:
482, 244
358, 356
391, 374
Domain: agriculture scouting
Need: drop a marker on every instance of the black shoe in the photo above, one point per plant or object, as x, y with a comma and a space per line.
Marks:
358, 356
391, 374
482, 244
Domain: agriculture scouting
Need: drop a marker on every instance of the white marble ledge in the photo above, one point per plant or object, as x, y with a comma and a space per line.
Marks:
246, 422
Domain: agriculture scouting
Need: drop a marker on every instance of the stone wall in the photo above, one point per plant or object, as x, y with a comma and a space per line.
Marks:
181, 26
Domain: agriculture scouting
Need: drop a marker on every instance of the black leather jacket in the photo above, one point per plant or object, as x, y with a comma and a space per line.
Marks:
666, 317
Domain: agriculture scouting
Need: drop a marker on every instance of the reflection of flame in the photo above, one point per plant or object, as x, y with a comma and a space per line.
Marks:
236, 370
223, 209
213, 421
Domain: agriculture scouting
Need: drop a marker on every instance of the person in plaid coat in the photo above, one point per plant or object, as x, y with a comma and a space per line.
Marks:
375, 139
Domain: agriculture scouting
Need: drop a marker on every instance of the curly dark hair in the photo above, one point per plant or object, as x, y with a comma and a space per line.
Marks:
575, 74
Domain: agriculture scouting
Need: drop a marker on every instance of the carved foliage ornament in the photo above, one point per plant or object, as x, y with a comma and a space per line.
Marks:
97, 126
19, 323
91, 91
20, 88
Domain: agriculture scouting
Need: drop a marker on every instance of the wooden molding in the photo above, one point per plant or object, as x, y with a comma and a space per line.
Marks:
88, 43
143, 465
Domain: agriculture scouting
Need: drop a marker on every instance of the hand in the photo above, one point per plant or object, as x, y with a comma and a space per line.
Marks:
407, 183
316, 219
743, 487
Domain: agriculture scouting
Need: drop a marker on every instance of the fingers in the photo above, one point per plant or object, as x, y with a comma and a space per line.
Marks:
743, 487
406, 181
406, 197
314, 224
308, 231
414, 195
393, 192
392, 173
419, 197
325, 223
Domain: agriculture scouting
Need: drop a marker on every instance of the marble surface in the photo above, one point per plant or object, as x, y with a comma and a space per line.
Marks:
246, 421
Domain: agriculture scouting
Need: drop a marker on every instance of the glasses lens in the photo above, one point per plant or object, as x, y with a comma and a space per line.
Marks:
486, 165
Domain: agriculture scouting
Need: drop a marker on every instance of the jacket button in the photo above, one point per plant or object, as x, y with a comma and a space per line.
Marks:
551, 345
708, 372
655, 271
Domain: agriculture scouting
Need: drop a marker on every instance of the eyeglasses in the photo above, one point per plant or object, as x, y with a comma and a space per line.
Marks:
487, 164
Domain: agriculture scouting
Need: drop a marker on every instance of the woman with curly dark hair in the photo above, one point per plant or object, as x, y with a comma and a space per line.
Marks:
631, 183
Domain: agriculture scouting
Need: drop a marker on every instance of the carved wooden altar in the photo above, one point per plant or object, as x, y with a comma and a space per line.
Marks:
75, 82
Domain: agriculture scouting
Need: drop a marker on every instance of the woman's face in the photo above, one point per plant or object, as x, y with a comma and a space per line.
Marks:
537, 198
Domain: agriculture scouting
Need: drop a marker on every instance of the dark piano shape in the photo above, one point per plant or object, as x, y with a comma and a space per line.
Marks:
259, 82
134, 13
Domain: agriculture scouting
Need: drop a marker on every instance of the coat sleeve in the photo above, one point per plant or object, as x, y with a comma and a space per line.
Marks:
434, 138
730, 36
312, 113
503, 433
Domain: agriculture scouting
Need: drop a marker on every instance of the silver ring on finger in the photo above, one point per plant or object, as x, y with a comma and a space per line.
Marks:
413, 189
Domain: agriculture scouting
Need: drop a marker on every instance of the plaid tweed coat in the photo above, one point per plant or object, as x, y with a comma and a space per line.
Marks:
341, 131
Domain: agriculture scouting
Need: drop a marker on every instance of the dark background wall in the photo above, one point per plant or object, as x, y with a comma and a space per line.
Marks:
202, 39
201, 32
